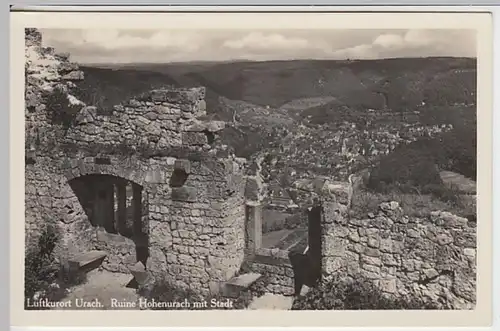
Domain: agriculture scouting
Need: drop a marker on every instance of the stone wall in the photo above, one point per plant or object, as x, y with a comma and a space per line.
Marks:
154, 122
433, 257
121, 251
272, 264
276, 269
194, 231
49, 199
191, 192
46, 71
277, 279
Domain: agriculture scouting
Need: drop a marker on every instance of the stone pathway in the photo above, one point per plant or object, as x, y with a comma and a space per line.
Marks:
271, 301
103, 286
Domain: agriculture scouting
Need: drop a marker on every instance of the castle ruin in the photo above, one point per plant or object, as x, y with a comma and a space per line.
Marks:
151, 183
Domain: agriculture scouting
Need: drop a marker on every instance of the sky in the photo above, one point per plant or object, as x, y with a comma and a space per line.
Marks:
162, 46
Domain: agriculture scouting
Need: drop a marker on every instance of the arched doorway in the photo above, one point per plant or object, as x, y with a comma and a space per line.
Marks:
116, 206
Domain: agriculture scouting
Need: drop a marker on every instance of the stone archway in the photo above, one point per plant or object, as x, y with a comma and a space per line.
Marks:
117, 208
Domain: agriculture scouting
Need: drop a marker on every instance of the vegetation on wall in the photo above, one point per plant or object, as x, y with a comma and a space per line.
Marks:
59, 108
46, 276
358, 293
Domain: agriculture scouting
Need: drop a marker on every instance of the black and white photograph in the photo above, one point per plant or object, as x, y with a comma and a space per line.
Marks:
250, 169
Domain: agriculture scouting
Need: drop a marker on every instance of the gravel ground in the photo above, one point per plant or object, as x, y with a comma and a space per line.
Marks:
272, 302
103, 286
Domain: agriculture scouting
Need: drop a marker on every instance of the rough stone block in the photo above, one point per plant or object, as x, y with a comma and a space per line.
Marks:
340, 191
373, 252
186, 193
200, 107
140, 274
371, 260
156, 176
163, 95
334, 246
217, 167
201, 126
214, 287
253, 188
333, 212
194, 138
183, 165
74, 75
240, 283
388, 285
188, 96
86, 261
331, 265
389, 260
86, 115
253, 226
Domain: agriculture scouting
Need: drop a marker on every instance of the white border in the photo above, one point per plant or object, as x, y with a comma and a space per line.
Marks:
495, 68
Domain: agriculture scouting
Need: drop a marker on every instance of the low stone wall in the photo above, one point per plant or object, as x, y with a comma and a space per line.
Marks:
276, 270
433, 258
277, 279
121, 251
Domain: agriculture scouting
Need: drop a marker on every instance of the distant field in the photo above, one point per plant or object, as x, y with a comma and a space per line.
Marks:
464, 184
285, 239
305, 103
299, 84
273, 238
256, 114
273, 219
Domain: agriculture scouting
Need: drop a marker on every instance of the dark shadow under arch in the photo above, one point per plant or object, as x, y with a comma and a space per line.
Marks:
117, 206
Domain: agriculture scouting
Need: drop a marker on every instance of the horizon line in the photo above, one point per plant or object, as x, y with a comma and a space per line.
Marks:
277, 60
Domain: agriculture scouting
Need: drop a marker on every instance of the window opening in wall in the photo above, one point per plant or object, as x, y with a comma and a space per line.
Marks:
210, 137
179, 177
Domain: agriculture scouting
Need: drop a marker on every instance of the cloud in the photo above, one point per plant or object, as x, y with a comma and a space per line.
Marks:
388, 40
111, 45
415, 43
261, 41
110, 39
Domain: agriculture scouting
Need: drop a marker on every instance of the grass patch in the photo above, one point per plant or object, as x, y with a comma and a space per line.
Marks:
358, 293
44, 276
414, 204
59, 108
408, 167
162, 290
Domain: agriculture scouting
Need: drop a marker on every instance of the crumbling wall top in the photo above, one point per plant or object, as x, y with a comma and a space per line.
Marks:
153, 123
33, 37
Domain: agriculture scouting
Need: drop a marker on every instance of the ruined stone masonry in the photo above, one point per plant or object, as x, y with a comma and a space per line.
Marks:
433, 258
151, 183
143, 184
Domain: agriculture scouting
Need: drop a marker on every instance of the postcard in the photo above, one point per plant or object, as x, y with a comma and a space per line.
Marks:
238, 168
